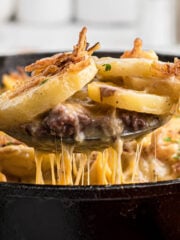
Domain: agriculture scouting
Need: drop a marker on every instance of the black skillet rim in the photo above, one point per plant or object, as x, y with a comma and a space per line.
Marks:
95, 192
92, 192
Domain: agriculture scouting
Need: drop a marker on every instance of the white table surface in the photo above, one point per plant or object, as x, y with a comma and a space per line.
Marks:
19, 38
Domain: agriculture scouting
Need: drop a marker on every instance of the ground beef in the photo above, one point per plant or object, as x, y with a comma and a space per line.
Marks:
66, 121
70, 120
134, 121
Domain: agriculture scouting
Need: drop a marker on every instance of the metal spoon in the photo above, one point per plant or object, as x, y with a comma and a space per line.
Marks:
51, 143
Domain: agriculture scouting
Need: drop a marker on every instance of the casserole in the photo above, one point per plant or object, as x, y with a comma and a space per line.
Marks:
137, 211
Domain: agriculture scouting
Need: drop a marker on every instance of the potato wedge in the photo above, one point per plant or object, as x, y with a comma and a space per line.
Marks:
163, 87
44, 96
53, 80
135, 67
132, 100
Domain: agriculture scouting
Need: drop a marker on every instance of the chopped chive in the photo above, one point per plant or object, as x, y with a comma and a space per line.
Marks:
44, 81
176, 156
167, 139
107, 67
9, 143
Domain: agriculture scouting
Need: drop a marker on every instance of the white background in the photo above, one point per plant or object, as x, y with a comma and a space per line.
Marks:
53, 25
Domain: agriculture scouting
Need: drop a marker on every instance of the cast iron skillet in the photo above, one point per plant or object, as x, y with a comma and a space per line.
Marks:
138, 211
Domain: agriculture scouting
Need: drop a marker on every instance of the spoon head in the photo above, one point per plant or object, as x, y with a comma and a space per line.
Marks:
51, 143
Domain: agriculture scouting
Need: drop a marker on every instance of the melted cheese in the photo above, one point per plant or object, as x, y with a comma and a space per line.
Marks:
136, 161
111, 166
39, 175
106, 167
70, 168
52, 162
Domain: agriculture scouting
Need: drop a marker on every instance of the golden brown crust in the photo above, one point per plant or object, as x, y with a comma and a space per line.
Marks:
6, 140
14, 79
167, 69
176, 169
137, 51
159, 69
64, 61
58, 64
3, 177
177, 66
24, 87
165, 145
94, 48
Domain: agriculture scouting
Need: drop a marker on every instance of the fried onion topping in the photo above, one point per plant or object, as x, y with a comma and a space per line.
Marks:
58, 64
